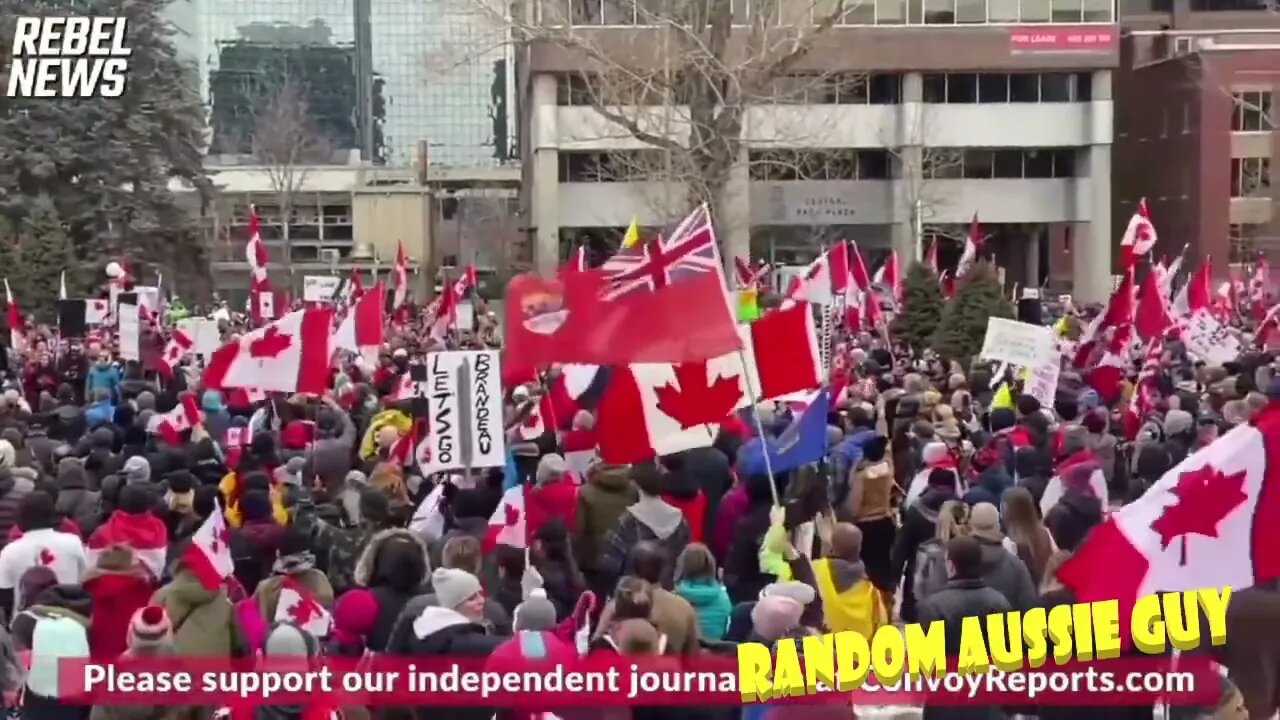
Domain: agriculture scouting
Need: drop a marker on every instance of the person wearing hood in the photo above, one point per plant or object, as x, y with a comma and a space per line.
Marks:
1002, 569
45, 598
216, 417
698, 582
919, 523
103, 377
554, 495
294, 563
602, 500
12, 491
1077, 510
743, 575
54, 640
869, 506
1077, 466
9, 463
650, 518
136, 470
1179, 434
255, 544
674, 617
203, 618
850, 600
22, 457
1032, 468
341, 547
68, 423
394, 567
990, 484
258, 461
102, 411
120, 586
933, 455
966, 595
330, 454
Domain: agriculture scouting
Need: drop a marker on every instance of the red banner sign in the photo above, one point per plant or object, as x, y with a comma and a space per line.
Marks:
1063, 38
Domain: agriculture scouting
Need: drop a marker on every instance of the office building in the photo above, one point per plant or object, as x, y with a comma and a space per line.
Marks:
906, 119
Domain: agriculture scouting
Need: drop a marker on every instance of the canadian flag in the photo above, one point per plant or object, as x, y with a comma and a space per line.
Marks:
17, 323
826, 278
178, 346
507, 525
288, 355
890, 277
1139, 236
184, 416
681, 406
361, 330
1211, 521
208, 555
298, 605
1197, 294
144, 534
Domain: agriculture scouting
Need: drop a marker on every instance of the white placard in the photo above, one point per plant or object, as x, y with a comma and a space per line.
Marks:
1041, 381
130, 333
1017, 343
444, 438
488, 446
204, 334
1208, 339
320, 288
148, 297
466, 315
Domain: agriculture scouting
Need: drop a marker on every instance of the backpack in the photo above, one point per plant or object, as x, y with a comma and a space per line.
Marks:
931, 569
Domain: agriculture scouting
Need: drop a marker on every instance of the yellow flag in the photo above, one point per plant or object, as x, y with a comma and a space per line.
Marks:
632, 237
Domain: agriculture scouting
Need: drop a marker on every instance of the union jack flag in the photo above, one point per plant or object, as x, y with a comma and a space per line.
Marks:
657, 263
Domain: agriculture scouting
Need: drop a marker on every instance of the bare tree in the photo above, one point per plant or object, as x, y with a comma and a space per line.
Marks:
286, 140
920, 165
681, 89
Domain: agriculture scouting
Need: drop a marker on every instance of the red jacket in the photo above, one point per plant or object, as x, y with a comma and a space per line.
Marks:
116, 597
556, 499
694, 510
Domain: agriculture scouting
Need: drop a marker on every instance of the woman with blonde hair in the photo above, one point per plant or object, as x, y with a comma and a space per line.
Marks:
1027, 531
931, 558
698, 582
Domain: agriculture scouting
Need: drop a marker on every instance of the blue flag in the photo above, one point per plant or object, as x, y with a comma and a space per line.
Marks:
510, 478
803, 442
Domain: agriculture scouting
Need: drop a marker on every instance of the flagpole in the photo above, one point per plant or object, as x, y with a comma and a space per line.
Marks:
754, 393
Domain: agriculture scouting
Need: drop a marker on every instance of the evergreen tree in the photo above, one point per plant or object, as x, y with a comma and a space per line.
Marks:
106, 163
921, 310
964, 321
45, 252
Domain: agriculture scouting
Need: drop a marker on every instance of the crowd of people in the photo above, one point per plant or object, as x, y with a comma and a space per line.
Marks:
933, 503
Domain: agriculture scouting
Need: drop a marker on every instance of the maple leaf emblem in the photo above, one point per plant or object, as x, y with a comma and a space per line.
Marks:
305, 610
1206, 496
46, 557
694, 400
221, 537
511, 513
270, 345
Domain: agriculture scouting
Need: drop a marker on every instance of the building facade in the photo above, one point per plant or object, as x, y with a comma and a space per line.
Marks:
905, 120
1195, 126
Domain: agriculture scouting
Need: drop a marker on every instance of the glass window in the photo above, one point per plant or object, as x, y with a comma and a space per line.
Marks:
890, 12
934, 88
1055, 87
859, 12
790, 89
1252, 111
1084, 87
1024, 88
942, 163
584, 12
978, 164
1002, 11
1007, 164
971, 11
1250, 177
1037, 163
873, 164
915, 12
962, 88
619, 12
993, 88
849, 89
741, 11
1067, 11
1064, 163
884, 88
939, 12
1035, 10
1098, 11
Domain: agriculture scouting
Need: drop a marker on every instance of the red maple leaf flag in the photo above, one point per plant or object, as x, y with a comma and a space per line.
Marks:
361, 329
208, 555
298, 605
1212, 521
178, 346
289, 355
653, 409
507, 525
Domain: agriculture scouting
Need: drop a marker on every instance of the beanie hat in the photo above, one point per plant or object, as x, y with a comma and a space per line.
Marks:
453, 587
354, 616
150, 630
288, 640
211, 401
1177, 422
551, 467
136, 469
799, 591
934, 453
774, 616
536, 613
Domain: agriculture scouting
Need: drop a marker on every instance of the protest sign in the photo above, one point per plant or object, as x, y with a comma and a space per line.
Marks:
463, 394
129, 332
1041, 381
204, 334
320, 288
487, 441
1017, 343
1209, 340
